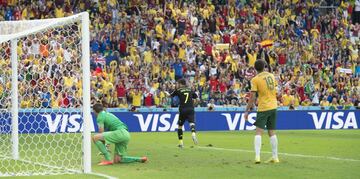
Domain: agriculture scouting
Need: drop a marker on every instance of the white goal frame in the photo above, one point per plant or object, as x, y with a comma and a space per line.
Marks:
26, 30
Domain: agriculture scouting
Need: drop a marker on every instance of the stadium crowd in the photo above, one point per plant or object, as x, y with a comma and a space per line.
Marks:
140, 48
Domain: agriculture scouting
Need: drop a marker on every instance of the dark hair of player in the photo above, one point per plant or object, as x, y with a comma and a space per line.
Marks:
98, 107
182, 82
259, 65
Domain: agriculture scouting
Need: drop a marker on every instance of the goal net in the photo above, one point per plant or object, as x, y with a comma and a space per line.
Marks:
44, 97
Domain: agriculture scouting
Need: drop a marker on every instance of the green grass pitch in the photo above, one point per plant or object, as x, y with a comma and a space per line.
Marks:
304, 154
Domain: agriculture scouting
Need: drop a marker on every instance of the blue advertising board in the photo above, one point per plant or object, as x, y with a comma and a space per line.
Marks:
55, 122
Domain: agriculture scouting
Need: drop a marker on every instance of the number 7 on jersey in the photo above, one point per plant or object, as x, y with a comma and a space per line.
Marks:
187, 96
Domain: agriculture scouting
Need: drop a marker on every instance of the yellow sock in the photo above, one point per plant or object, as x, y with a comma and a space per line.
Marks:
180, 142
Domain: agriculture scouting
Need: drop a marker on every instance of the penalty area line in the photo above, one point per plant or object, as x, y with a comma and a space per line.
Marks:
280, 153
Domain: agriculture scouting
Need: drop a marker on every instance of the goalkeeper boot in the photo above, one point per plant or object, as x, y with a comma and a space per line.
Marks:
257, 160
105, 162
143, 159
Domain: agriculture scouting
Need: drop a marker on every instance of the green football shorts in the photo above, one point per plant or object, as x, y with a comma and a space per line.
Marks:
120, 138
266, 119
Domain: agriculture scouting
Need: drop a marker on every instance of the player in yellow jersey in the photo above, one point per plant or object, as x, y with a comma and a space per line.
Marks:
264, 85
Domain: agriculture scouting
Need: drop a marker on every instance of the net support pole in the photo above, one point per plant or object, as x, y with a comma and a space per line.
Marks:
87, 120
14, 101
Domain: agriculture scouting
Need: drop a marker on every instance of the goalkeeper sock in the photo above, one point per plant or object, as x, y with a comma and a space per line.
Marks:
100, 145
274, 144
257, 144
128, 159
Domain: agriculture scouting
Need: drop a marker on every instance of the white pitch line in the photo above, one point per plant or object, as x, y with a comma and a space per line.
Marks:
286, 154
44, 165
55, 167
103, 175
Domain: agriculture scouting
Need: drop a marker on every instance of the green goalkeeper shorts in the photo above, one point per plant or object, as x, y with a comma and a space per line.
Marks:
266, 119
120, 138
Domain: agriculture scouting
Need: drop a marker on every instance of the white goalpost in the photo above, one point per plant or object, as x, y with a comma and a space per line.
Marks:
45, 115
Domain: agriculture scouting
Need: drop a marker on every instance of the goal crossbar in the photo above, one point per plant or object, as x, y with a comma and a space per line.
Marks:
25, 27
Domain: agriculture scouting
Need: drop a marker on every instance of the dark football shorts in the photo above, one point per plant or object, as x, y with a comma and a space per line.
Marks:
266, 119
186, 114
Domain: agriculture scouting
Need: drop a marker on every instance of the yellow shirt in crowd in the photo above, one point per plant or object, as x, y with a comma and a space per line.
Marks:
136, 99
287, 99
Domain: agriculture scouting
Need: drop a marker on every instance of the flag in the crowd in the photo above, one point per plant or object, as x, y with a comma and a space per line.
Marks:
266, 43
345, 70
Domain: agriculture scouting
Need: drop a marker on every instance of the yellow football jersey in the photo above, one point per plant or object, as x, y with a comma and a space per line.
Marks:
265, 85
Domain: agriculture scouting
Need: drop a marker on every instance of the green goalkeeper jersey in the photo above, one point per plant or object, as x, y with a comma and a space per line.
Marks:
109, 122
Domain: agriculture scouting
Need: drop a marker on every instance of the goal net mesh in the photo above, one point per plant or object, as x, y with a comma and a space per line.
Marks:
49, 97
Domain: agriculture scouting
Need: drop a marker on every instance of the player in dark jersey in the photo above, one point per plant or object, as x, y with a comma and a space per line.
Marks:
186, 110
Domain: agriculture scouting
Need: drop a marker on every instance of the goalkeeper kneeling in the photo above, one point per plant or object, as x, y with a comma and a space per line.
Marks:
112, 131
